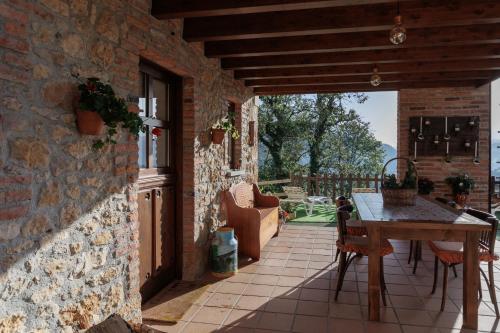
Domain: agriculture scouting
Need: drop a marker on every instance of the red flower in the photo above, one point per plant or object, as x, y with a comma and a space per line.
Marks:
91, 86
156, 131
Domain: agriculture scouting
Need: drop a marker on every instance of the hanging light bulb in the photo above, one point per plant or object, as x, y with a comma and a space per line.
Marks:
398, 32
375, 79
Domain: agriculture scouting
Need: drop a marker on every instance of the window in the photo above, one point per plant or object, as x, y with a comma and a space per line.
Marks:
231, 142
157, 104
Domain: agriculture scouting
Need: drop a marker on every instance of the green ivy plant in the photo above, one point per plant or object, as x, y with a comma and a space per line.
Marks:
461, 184
409, 181
226, 124
99, 97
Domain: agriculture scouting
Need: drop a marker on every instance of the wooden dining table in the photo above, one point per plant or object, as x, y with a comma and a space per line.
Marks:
427, 220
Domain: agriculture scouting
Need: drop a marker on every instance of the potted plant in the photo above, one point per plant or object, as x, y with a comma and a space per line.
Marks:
461, 186
98, 106
425, 186
225, 125
404, 193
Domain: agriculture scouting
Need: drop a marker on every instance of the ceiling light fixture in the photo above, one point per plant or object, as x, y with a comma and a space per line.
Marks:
398, 32
375, 79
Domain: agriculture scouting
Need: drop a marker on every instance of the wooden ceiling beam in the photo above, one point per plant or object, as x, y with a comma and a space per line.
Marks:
349, 70
374, 40
312, 89
403, 77
169, 9
365, 57
355, 18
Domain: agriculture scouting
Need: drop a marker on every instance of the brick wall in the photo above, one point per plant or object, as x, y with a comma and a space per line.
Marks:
68, 215
465, 101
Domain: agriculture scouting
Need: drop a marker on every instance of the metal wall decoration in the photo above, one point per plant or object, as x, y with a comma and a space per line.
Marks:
444, 136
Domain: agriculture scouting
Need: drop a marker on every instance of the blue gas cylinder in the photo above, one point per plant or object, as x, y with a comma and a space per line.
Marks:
224, 254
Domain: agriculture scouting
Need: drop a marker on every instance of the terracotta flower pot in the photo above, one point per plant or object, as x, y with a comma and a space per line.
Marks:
89, 122
461, 199
218, 135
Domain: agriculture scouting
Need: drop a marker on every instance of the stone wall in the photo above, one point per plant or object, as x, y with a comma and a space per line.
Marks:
449, 102
68, 215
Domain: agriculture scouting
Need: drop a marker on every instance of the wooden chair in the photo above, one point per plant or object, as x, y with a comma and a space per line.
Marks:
351, 246
451, 254
416, 246
354, 227
294, 194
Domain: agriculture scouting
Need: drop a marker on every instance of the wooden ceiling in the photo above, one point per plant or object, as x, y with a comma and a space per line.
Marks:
308, 46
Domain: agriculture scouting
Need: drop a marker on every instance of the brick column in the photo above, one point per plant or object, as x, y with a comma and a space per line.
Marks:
464, 101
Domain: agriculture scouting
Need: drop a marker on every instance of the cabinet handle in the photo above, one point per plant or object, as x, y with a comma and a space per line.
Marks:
147, 196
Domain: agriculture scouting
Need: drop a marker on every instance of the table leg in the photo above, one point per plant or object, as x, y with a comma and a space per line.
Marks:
471, 280
374, 272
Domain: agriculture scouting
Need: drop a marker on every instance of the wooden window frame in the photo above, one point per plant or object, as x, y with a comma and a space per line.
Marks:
174, 91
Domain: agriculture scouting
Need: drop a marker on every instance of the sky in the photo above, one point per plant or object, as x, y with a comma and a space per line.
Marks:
380, 110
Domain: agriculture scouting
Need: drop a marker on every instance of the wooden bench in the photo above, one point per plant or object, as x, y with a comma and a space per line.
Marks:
253, 216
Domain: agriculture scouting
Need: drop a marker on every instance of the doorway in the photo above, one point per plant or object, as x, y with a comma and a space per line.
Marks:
160, 109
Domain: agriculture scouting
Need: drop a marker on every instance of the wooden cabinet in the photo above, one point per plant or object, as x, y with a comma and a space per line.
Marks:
157, 239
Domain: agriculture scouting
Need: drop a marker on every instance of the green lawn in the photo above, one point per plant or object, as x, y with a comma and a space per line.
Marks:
321, 214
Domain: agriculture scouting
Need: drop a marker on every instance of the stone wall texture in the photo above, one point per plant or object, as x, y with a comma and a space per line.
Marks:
467, 101
68, 215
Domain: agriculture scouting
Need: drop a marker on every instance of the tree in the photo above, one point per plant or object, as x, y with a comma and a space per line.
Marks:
352, 149
316, 134
280, 131
328, 114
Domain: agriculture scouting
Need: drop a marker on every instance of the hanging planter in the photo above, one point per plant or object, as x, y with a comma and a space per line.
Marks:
98, 106
218, 135
89, 122
226, 125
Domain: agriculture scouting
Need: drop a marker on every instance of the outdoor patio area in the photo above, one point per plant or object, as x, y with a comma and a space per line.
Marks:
292, 289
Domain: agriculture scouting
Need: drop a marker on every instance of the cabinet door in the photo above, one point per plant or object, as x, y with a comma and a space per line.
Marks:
164, 229
145, 235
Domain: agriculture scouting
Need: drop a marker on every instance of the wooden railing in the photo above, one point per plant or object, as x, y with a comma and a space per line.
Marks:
327, 185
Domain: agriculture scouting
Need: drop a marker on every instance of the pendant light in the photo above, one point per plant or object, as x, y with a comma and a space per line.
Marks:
375, 79
398, 32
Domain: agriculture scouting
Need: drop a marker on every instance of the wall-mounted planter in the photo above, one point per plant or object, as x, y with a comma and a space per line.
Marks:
89, 122
251, 133
218, 135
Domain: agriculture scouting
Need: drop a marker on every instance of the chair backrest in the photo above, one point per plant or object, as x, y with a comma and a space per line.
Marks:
294, 192
243, 194
487, 238
363, 190
343, 214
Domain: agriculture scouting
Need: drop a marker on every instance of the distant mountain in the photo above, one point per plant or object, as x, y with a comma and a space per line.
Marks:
390, 152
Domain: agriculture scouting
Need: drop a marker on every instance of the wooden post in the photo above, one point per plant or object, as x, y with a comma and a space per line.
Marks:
334, 188
471, 283
373, 272
316, 179
376, 183
341, 184
367, 181
349, 184
325, 185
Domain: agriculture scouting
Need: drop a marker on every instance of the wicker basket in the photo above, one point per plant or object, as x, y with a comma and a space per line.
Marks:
401, 197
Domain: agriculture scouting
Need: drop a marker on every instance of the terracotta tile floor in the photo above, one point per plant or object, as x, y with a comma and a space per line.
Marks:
291, 289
